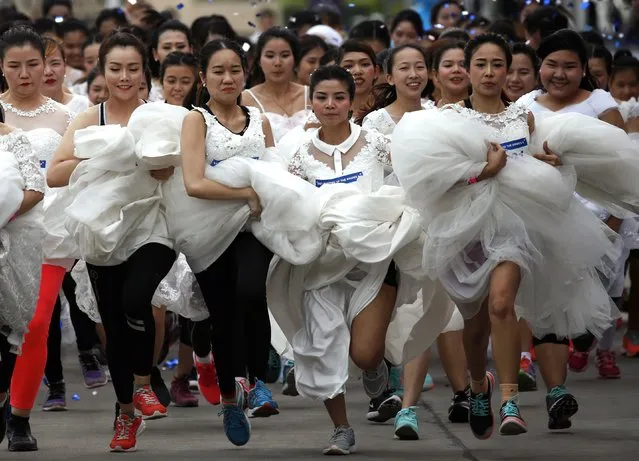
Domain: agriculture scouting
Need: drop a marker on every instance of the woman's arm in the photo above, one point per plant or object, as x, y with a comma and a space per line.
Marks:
31, 199
193, 167
613, 116
269, 141
64, 160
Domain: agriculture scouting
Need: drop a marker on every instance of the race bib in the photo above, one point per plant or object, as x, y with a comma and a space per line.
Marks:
346, 179
515, 148
43, 164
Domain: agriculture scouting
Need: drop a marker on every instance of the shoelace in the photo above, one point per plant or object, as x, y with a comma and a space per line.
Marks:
480, 404
261, 393
557, 392
340, 437
123, 429
233, 417
510, 409
147, 396
408, 413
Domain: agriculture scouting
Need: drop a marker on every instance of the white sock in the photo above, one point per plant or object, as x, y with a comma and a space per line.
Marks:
206, 359
527, 355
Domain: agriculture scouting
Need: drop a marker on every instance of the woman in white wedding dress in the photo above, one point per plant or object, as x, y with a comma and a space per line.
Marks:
124, 279
43, 122
272, 82
21, 234
233, 279
506, 254
407, 76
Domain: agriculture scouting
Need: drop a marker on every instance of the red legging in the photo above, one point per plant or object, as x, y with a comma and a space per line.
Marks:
30, 364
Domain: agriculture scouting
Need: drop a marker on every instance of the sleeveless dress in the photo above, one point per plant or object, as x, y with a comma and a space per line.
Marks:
526, 214
20, 238
282, 124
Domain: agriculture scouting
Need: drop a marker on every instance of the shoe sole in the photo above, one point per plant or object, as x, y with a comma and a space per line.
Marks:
156, 415
486, 435
337, 451
290, 388
385, 412
406, 433
526, 383
54, 409
133, 448
263, 411
94, 385
458, 415
600, 376
186, 405
512, 426
561, 412
22, 447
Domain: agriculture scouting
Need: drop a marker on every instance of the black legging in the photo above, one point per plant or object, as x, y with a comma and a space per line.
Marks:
84, 328
124, 293
7, 365
234, 289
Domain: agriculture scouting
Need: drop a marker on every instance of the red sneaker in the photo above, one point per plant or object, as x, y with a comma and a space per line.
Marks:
578, 361
147, 405
631, 344
207, 381
126, 433
607, 365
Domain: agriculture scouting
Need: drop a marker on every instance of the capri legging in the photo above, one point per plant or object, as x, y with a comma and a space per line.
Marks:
124, 293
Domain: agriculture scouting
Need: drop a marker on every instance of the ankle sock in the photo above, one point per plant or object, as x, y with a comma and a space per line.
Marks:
477, 386
526, 355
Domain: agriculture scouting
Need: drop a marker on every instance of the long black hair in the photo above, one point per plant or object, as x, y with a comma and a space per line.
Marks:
385, 93
207, 51
256, 75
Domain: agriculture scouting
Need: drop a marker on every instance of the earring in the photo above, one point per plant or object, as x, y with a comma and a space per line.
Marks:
204, 84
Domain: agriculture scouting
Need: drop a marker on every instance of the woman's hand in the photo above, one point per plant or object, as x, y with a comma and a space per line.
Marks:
254, 204
548, 156
164, 174
496, 158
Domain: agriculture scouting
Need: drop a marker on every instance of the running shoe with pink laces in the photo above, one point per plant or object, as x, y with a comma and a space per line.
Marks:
147, 405
207, 380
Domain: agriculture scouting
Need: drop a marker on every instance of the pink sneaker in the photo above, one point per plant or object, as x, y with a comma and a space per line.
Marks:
578, 361
607, 365
181, 394
207, 380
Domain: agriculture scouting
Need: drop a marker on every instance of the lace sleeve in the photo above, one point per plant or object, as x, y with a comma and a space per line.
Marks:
382, 146
295, 166
28, 164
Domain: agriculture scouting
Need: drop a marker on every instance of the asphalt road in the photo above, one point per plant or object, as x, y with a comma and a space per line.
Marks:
606, 427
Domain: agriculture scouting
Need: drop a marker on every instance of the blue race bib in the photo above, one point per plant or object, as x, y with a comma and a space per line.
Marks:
349, 178
515, 148
215, 162
43, 164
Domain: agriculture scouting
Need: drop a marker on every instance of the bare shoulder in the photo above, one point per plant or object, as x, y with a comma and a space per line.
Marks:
87, 118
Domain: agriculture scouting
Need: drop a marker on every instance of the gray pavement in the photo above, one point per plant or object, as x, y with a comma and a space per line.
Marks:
606, 427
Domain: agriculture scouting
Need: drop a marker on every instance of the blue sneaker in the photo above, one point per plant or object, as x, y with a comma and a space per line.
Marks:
236, 425
428, 383
261, 403
407, 424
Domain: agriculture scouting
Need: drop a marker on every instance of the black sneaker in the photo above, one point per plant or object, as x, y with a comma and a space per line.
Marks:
4, 414
481, 412
459, 407
274, 366
384, 407
561, 407
19, 435
159, 387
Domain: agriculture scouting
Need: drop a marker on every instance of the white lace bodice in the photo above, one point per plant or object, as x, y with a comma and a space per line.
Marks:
508, 128
365, 163
16, 143
43, 126
379, 120
282, 124
222, 143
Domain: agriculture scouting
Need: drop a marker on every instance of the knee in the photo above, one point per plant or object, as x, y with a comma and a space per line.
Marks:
501, 308
366, 357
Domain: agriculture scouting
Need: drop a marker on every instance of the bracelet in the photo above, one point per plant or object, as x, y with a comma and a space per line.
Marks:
472, 180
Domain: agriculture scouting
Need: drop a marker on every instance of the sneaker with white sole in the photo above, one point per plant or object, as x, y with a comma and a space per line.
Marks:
342, 442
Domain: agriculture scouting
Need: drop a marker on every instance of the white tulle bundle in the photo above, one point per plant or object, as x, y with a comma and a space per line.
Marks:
11, 187
115, 204
526, 214
604, 158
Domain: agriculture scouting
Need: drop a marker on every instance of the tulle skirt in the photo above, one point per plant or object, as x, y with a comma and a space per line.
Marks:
526, 214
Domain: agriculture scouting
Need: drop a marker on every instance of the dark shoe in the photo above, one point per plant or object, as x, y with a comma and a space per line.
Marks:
481, 413
459, 408
274, 366
19, 435
384, 407
4, 414
56, 398
561, 407
159, 387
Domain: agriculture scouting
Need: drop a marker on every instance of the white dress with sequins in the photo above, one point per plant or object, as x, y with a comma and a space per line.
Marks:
21, 238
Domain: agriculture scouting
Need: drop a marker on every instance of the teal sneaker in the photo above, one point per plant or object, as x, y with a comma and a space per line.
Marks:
407, 424
428, 383
395, 381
